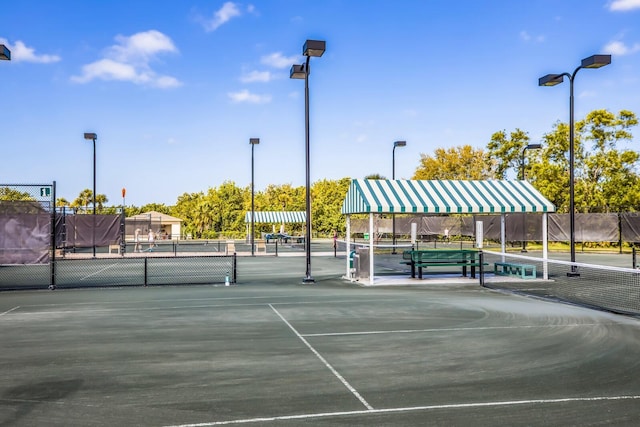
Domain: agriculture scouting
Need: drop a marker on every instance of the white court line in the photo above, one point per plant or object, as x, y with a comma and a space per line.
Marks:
9, 311
162, 300
99, 271
479, 328
323, 360
176, 307
410, 409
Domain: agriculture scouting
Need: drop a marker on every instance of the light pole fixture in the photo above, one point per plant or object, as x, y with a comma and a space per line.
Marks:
523, 177
393, 176
5, 53
594, 61
93, 136
253, 142
310, 48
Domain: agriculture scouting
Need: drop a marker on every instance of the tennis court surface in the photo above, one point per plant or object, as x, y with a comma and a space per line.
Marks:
270, 351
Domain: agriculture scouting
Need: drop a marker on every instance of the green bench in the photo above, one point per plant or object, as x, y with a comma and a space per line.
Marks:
419, 259
524, 271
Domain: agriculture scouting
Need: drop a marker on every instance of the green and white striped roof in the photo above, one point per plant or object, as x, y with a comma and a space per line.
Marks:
276, 217
445, 196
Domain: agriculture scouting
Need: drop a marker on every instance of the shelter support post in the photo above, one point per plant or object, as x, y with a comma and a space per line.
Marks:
545, 246
371, 256
347, 239
503, 234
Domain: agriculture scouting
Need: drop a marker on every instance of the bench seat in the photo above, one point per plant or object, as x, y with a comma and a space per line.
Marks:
524, 271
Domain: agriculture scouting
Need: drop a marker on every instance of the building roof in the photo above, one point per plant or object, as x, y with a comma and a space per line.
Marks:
276, 217
443, 196
154, 216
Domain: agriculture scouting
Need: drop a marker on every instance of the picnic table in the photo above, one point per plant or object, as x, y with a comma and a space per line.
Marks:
419, 259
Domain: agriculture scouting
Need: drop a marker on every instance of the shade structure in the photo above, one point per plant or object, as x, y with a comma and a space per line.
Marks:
276, 217
443, 196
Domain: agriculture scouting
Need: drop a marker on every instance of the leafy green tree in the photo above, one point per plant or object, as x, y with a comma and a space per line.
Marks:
462, 162
605, 176
548, 173
158, 207
374, 176
326, 205
85, 198
506, 152
101, 200
608, 172
9, 194
185, 209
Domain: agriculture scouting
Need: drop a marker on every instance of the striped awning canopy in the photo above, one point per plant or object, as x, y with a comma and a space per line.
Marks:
445, 196
276, 217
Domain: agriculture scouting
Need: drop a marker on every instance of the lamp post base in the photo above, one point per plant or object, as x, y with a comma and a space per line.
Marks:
573, 272
308, 281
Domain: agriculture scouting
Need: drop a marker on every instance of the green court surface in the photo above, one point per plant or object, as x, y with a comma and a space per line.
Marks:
271, 351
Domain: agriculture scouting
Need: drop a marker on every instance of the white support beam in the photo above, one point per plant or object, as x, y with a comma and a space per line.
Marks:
371, 260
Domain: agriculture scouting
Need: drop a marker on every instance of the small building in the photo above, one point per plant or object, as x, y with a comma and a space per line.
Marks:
164, 226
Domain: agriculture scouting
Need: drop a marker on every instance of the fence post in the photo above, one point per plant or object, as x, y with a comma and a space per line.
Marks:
52, 281
235, 268
481, 262
123, 233
633, 257
145, 272
620, 232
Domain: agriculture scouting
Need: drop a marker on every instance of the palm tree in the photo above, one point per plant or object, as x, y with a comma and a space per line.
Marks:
101, 199
84, 199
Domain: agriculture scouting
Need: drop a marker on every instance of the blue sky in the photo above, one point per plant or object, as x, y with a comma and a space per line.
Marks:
175, 89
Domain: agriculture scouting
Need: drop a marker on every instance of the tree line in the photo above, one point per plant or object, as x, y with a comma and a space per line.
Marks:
606, 179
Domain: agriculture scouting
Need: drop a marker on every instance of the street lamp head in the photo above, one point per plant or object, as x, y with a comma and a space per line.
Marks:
596, 61
400, 143
533, 146
297, 72
550, 80
90, 135
5, 53
254, 141
313, 48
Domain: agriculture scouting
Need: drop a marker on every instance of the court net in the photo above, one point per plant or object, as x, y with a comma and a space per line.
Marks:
122, 271
608, 288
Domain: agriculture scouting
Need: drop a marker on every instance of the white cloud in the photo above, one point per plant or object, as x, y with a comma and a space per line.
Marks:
624, 5
248, 97
619, 48
228, 11
256, 76
277, 60
524, 35
129, 60
587, 94
22, 52
141, 46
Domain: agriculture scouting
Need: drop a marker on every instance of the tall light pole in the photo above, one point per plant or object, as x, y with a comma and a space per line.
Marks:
594, 61
310, 48
393, 176
253, 142
93, 136
523, 177
5, 53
